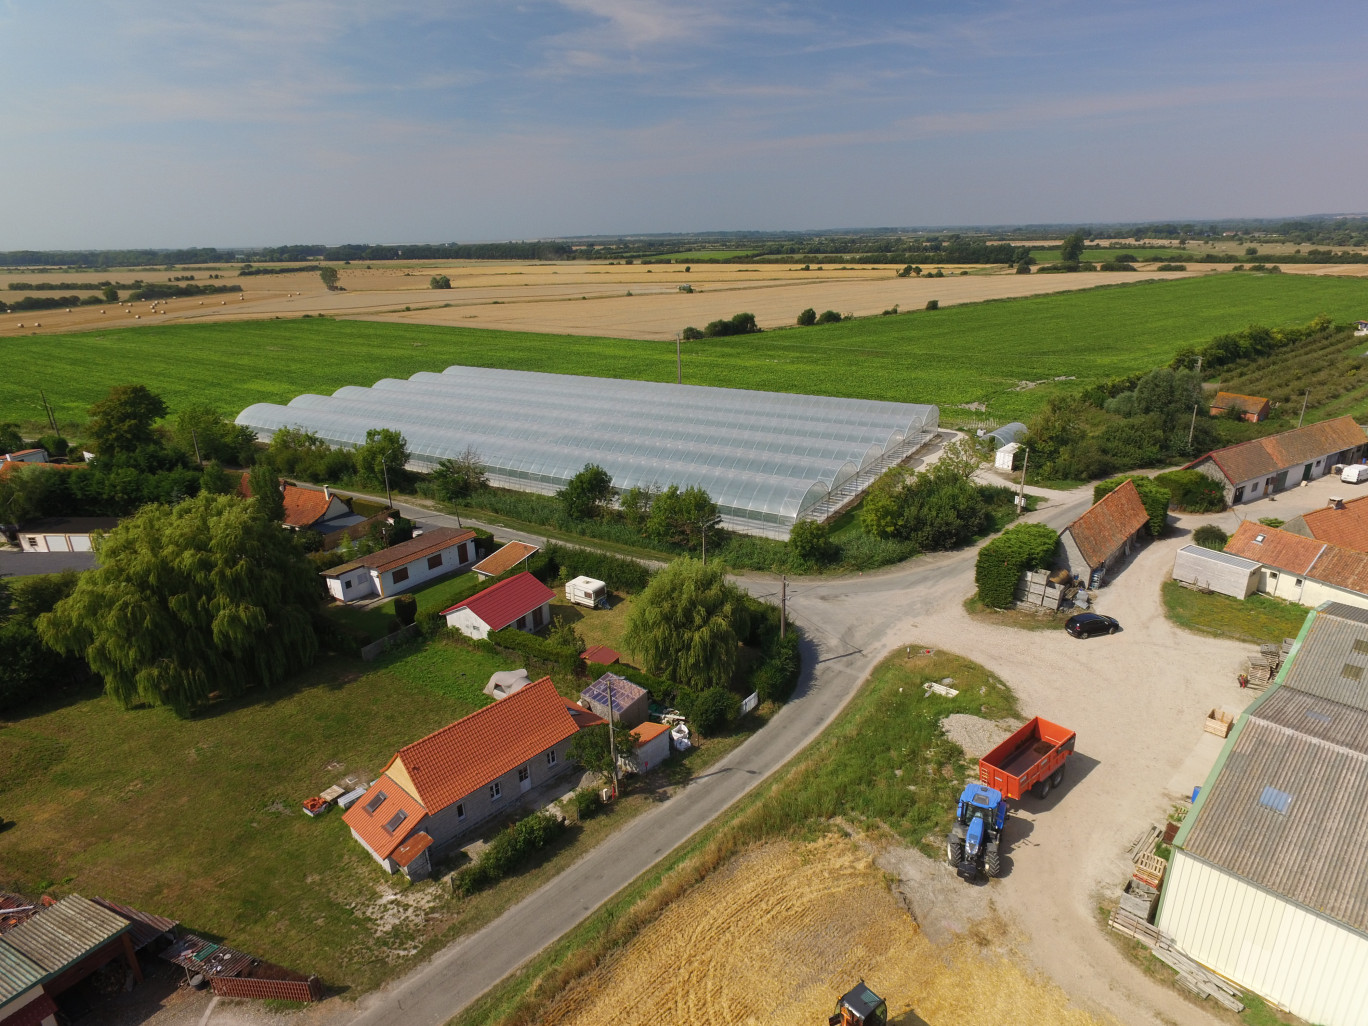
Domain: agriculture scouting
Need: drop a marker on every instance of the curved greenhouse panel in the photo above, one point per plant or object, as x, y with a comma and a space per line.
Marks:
764, 457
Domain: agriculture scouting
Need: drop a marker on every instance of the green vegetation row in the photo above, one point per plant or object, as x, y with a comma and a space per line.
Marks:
962, 354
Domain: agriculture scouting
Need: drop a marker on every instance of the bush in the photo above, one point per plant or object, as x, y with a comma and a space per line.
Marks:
933, 304
1171, 267
533, 647
691, 334
829, 317
587, 803
811, 542
740, 324
509, 850
431, 623
1023, 268
405, 609
1002, 561
1154, 497
1209, 536
1192, 491
1115, 265
807, 318
776, 676
708, 711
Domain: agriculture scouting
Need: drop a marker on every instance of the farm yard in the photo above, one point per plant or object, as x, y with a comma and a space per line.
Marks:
1006, 354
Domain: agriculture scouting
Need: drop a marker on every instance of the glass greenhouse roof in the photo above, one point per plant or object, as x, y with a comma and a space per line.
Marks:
764, 457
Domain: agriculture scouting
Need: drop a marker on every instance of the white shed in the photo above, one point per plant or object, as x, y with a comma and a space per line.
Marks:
652, 746
1006, 457
1216, 571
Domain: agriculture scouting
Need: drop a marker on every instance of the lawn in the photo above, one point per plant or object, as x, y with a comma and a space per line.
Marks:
972, 353
1258, 619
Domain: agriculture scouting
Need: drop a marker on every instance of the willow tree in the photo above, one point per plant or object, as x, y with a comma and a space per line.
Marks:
687, 624
208, 596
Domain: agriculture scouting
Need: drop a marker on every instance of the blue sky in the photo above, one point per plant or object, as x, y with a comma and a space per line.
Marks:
237, 122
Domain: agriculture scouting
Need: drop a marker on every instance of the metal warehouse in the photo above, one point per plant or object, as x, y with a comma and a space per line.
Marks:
1268, 885
766, 458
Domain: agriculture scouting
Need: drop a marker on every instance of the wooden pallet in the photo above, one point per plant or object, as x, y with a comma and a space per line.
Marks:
1150, 869
1193, 977
1144, 842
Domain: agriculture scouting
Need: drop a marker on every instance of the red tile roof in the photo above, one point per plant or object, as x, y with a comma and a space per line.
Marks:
1278, 549
461, 758
601, 654
1343, 568
1105, 527
648, 732
583, 717
8, 465
505, 559
506, 601
1264, 457
303, 506
1234, 400
1346, 526
431, 541
370, 825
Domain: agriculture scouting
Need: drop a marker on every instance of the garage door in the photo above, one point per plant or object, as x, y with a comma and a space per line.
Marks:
56, 543
80, 543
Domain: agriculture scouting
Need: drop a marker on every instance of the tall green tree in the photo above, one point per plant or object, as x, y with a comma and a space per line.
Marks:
10, 438
265, 488
589, 747
686, 626
1071, 249
207, 596
584, 497
384, 452
122, 421
682, 518
459, 478
201, 431
329, 276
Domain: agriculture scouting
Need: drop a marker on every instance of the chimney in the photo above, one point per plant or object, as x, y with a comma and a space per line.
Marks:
327, 492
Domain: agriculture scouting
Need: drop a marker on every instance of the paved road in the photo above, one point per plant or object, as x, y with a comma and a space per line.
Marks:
843, 640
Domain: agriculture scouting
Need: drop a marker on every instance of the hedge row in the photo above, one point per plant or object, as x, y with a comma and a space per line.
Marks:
1154, 498
511, 640
620, 574
1003, 560
1192, 491
508, 850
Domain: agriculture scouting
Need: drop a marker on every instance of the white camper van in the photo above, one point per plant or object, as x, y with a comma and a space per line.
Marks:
585, 591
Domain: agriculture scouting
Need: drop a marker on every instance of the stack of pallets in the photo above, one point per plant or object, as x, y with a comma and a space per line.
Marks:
1191, 976
1150, 869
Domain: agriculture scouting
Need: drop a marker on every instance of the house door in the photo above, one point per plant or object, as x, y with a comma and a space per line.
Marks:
1281, 483
1306, 472
524, 779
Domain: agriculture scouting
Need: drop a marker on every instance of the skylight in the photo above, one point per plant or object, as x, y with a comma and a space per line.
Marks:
1276, 800
1319, 717
1258, 538
395, 820
1352, 671
377, 800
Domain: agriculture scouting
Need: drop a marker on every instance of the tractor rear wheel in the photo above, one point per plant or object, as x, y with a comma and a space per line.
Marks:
954, 851
992, 861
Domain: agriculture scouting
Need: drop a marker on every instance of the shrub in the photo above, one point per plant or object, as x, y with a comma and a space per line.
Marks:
739, 324
405, 609
1023, 268
1002, 561
533, 647
933, 304
509, 850
811, 541
431, 623
1171, 267
710, 710
1209, 536
1154, 497
587, 803
807, 318
829, 317
777, 675
619, 573
1192, 491
1115, 265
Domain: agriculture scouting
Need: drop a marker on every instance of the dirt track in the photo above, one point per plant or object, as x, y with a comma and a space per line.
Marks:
775, 937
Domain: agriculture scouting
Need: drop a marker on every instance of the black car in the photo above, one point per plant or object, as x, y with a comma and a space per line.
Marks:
1085, 625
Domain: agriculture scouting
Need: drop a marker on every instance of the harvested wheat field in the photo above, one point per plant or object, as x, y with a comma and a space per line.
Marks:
778, 934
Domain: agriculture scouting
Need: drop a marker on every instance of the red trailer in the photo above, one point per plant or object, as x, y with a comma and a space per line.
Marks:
1032, 760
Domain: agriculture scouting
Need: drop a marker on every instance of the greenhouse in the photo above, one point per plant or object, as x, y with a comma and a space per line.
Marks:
765, 458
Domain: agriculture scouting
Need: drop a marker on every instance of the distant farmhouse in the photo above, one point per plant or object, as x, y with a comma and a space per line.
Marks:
1252, 408
1263, 466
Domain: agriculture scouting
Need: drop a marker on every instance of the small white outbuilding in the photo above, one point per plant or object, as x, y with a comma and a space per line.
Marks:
1006, 457
1220, 572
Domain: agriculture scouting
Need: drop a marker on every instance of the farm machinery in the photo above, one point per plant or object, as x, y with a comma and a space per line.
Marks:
975, 841
860, 1006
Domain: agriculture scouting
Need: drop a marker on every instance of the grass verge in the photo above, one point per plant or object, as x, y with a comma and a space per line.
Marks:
1257, 619
1019, 619
884, 764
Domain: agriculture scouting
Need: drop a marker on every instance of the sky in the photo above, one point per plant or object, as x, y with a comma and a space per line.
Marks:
132, 123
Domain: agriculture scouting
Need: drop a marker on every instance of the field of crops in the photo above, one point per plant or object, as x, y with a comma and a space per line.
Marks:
963, 354
1169, 253
700, 256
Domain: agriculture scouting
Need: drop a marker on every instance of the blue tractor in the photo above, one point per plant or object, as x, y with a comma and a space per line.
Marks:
975, 841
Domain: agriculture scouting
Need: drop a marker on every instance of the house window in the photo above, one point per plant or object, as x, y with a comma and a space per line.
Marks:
537, 618
396, 821
460, 811
523, 774
495, 791
377, 800
1299, 582
33, 542
434, 561
346, 585
551, 757
1272, 577
401, 575
522, 623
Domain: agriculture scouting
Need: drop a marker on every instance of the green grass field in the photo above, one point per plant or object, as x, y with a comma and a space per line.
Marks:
962, 354
1258, 619
1167, 254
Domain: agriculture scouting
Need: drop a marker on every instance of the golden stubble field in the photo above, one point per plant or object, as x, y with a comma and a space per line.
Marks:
577, 298
778, 934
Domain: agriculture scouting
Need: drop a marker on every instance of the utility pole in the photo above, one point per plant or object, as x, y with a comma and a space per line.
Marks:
1303, 412
679, 366
1021, 492
1193, 426
612, 743
704, 525
384, 465
52, 421
783, 605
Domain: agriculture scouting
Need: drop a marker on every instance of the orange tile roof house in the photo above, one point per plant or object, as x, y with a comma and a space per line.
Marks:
306, 508
1253, 408
521, 601
437, 551
1340, 523
1303, 570
1262, 466
1104, 535
455, 779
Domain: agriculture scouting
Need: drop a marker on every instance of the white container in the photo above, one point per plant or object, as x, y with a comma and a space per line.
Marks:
585, 591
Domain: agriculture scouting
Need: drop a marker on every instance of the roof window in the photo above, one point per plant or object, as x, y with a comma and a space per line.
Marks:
1276, 800
377, 800
1258, 539
1352, 671
395, 821
1319, 717
1361, 645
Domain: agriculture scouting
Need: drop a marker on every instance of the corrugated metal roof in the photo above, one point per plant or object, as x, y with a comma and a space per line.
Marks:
66, 932
1332, 662
1201, 552
1320, 718
1313, 852
146, 927
17, 973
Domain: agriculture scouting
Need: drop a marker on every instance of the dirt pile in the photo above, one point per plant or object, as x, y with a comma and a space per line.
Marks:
777, 935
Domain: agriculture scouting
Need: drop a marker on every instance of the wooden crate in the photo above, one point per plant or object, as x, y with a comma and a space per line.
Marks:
1219, 722
1150, 869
